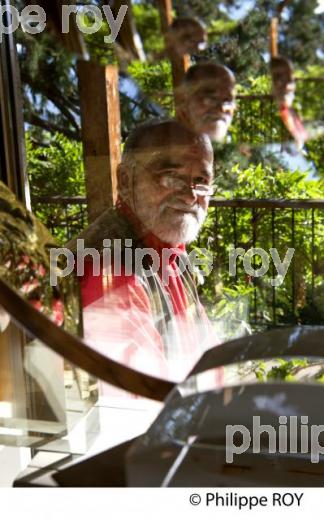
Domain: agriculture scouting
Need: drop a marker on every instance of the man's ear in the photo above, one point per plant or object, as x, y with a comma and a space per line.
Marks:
123, 181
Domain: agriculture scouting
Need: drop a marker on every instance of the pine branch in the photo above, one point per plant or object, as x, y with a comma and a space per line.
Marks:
49, 126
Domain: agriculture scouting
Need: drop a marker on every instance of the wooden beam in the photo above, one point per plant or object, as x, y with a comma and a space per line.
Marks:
100, 114
274, 37
180, 64
166, 16
128, 36
13, 170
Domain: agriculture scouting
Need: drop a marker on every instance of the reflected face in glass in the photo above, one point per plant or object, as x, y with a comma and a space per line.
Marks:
172, 187
187, 40
283, 83
210, 105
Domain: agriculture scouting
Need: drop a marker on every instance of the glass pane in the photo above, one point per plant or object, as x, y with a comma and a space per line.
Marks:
192, 441
38, 388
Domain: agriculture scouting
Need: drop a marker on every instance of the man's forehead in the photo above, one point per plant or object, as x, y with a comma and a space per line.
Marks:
281, 68
193, 31
176, 155
212, 84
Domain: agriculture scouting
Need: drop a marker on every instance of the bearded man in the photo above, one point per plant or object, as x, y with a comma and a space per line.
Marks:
284, 87
207, 100
186, 35
147, 314
283, 81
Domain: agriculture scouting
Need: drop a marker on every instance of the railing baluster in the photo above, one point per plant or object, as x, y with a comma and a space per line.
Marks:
313, 255
235, 236
254, 283
274, 317
293, 278
216, 261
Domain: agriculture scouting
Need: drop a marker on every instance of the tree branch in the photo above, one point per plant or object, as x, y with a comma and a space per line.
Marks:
35, 120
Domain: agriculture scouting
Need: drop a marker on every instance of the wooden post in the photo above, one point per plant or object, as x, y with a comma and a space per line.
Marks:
128, 36
100, 114
13, 170
180, 64
274, 37
165, 8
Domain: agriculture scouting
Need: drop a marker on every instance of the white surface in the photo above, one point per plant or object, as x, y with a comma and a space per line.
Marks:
12, 462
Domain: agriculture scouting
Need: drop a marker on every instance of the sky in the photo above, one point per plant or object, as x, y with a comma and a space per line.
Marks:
238, 13
320, 8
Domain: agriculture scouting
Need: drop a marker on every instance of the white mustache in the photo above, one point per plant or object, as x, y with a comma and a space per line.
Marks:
216, 116
196, 210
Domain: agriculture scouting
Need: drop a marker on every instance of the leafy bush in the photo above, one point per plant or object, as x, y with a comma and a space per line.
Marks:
55, 170
299, 297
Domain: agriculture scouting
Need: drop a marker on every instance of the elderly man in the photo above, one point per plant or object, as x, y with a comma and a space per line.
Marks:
284, 87
283, 81
186, 36
208, 100
147, 313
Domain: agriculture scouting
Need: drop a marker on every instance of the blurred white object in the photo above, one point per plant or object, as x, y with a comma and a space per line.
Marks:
4, 319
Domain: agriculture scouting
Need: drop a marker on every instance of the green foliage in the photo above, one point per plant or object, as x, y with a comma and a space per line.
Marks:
219, 27
147, 21
155, 80
315, 152
243, 48
263, 182
295, 300
56, 168
51, 99
101, 52
282, 370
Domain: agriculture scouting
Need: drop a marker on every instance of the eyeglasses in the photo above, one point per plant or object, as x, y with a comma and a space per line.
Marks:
171, 182
212, 101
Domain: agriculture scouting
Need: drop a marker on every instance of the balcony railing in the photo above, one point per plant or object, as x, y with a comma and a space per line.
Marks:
257, 120
279, 224
272, 224
65, 217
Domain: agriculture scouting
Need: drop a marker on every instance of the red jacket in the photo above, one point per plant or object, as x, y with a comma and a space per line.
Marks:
124, 317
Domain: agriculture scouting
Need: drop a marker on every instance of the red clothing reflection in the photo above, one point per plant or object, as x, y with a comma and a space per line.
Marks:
156, 327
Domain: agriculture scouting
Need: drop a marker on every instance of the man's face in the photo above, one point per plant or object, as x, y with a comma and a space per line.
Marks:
284, 85
210, 106
188, 40
174, 214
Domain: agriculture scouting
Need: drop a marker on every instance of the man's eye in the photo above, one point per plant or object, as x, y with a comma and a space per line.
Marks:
168, 175
201, 180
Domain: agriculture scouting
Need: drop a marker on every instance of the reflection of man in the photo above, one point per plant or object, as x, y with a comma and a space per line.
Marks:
208, 99
284, 87
186, 36
283, 81
151, 318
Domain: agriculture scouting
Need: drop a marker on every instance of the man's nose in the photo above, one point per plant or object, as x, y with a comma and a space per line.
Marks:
187, 195
227, 106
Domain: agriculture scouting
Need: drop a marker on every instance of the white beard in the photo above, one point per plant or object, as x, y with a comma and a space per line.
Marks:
186, 231
216, 130
172, 227
220, 131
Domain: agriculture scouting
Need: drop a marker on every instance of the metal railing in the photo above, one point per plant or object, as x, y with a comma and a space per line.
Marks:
65, 217
280, 224
257, 120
